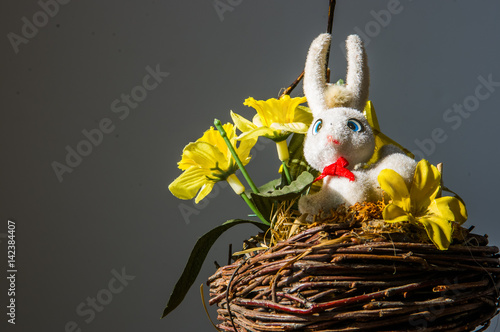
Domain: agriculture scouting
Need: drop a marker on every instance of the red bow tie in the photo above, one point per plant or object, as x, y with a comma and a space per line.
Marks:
338, 168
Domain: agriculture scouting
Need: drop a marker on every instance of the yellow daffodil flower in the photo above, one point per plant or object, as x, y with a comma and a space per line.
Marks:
207, 161
276, 119
419, 204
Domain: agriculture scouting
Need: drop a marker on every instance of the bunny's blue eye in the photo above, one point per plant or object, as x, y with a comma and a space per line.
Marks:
317, 126
355, 125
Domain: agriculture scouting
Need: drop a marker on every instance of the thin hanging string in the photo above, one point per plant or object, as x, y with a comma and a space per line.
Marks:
331, 13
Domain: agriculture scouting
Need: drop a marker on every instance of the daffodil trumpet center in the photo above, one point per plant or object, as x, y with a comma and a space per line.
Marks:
418, 210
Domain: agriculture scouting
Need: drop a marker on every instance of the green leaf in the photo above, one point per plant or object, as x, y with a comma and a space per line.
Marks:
196, 260
265, 207
265, 200
268, 187
291, 191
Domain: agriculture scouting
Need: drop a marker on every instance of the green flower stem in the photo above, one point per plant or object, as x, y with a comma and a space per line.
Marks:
254, 209
284, 155
287, 172
223, 133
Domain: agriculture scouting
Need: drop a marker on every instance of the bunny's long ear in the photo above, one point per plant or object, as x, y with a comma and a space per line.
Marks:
315, 73
321, 95
358, 73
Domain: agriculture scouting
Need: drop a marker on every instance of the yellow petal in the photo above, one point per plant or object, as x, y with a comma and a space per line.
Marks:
186, 162
463, 212
290, 107
230, 130
256, 121
214, 138
393, 213
438, 229
244, 148
371, 116
449, 208
261, 131
241, 123
276, 110
205, 155
379, 142
426, 183
293, 127
263, 110
211, 136
279, 109
278, 114
303, 114
205, 190
393, 184
189, 183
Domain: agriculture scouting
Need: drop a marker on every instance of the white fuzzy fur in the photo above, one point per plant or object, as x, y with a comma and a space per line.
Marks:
315, 82
356, 147
358, 73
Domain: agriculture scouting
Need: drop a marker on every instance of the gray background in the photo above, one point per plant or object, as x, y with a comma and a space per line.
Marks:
114, 210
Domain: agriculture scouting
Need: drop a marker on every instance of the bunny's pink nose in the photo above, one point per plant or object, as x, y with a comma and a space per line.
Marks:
332, 140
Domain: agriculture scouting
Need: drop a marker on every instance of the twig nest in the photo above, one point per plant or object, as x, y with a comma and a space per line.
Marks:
359, 277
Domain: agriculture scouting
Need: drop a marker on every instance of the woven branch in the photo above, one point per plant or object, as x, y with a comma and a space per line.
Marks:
323, 279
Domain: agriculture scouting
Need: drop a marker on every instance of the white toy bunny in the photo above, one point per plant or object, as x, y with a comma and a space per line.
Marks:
340, 141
